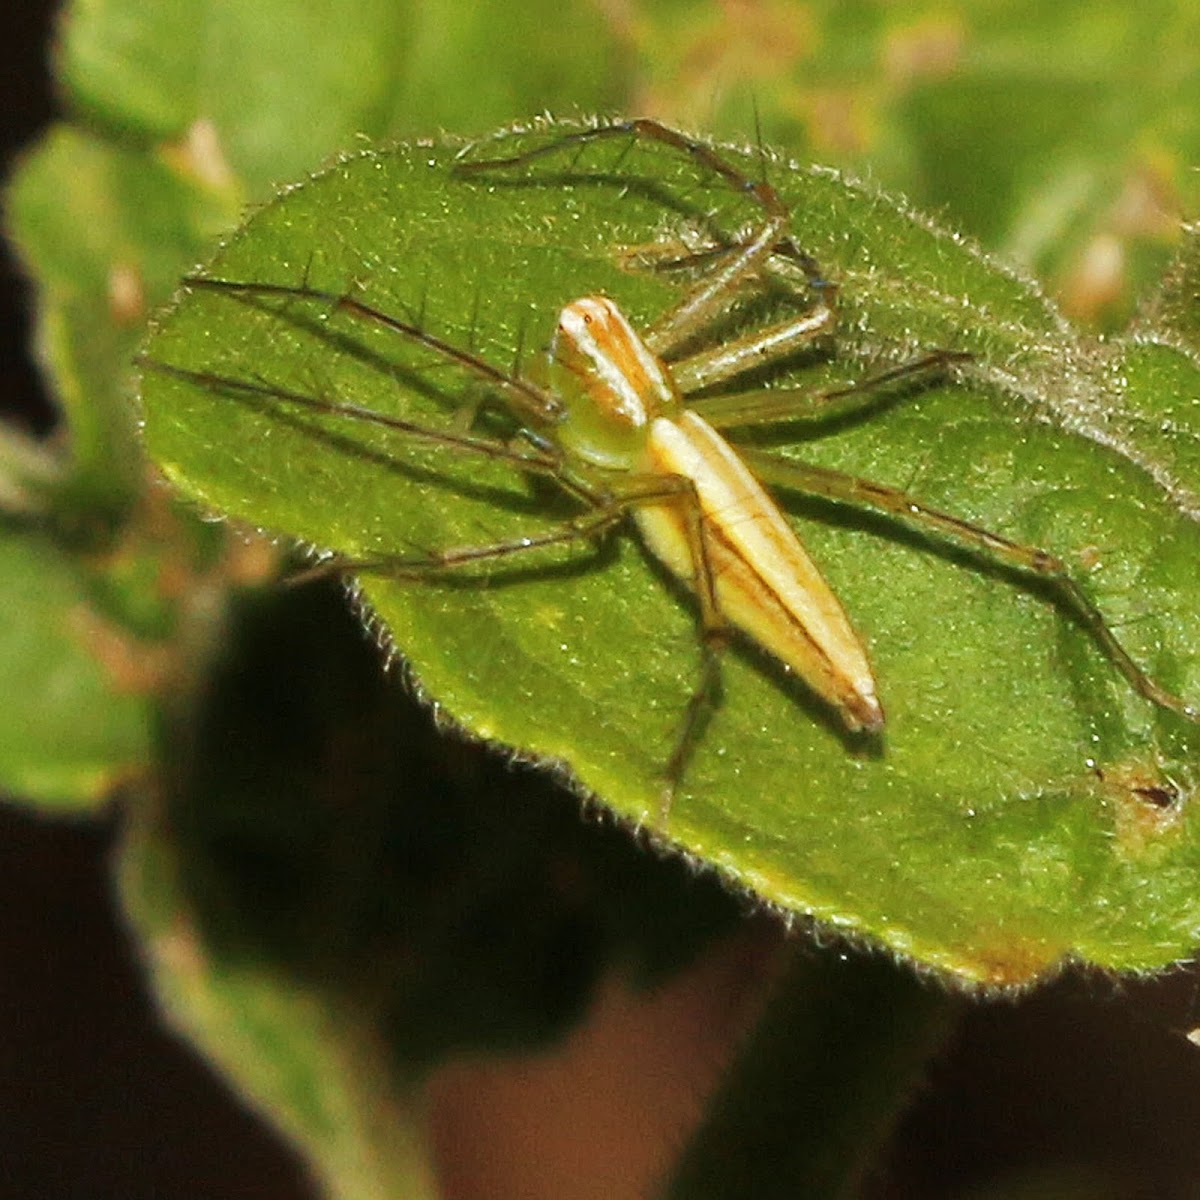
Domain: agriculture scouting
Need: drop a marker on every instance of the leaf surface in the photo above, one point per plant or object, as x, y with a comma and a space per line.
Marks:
1023, 803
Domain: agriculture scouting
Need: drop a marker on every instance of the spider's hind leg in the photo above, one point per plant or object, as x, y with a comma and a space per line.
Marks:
1033, 561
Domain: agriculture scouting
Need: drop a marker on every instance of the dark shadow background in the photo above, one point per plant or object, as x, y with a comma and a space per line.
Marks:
26, 106
98, 1100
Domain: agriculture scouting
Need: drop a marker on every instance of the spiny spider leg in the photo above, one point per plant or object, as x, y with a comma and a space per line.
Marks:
609, 506
710, 299
755, 350
636, 491
1042, 564
213, 381
530, 401
438, 561
743, 263
785, 261
765, 406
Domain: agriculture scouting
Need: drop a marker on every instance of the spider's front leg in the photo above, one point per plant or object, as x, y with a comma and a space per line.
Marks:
740, 265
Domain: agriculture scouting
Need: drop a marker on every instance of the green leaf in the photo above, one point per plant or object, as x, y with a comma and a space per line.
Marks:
285, 86
105, 231
1024, 804
1061, 134
281, 86
74, 722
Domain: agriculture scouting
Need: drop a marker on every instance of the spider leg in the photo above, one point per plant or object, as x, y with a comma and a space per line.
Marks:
526, 398
757, 349
714, 629
541, 460
1042, 564
710, 298
436, 562
764, 406
714, 633
634, 491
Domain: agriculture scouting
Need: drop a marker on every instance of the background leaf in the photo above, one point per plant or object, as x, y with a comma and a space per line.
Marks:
1060, 135
282, 88
71, 729
105, 229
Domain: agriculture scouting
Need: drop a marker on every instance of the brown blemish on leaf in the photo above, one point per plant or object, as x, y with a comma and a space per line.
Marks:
1148, 807
1001, 960
126, 294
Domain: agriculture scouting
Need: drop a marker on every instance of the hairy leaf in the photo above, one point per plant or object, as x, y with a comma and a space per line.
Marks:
1023, 803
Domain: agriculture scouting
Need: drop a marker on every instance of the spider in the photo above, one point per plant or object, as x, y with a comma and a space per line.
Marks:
609, 421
